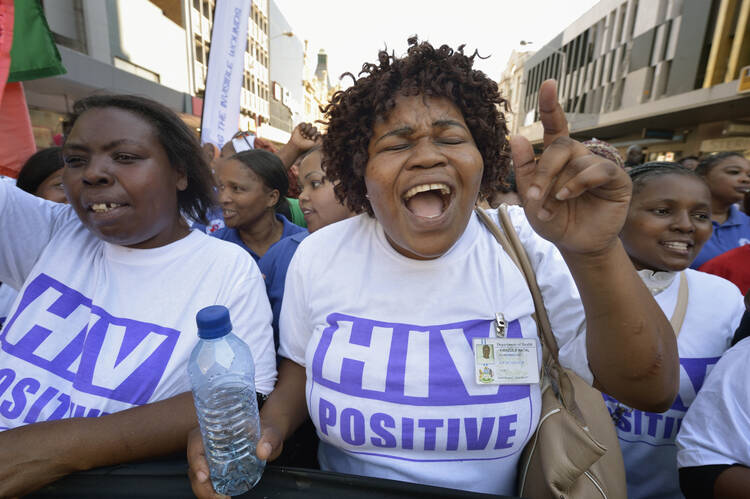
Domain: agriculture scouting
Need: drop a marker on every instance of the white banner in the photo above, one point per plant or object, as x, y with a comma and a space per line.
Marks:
226, 66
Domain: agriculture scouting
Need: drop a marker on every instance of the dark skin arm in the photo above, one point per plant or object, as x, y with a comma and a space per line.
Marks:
579, 202
283, 412
733, 483
304, 136
40, 453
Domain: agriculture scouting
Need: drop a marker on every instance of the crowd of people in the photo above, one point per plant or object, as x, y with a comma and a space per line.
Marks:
361, 296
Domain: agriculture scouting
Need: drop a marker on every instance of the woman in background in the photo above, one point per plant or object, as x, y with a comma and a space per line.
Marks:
252, 188
728, 178
668, 222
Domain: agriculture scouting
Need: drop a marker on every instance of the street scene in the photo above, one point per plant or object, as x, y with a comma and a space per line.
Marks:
277, 248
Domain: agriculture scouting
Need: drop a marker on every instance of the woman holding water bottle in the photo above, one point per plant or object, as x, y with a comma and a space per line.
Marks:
380, 310
93, 364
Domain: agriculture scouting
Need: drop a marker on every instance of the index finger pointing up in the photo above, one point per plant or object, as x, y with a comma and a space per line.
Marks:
553, 118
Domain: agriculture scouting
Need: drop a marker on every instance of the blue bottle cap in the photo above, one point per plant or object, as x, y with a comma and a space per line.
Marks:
213, 322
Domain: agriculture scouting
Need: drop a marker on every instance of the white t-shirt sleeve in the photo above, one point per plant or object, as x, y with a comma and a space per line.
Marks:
561, 298
716, 428
251, 320
27, 223
294, 333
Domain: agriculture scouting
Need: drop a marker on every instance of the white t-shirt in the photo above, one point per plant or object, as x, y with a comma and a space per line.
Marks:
716, 429
387, 346
7, 296
99, 328
714, 311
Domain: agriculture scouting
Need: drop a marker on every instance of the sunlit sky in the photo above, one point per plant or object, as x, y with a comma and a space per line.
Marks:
352, 31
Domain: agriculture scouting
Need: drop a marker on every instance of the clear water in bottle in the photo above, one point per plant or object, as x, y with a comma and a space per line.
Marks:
222, 375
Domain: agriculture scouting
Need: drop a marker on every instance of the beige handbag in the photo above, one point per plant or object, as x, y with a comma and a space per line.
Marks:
574, 452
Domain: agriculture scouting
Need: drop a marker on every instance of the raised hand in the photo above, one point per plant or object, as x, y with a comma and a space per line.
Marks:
304, 136
572, 197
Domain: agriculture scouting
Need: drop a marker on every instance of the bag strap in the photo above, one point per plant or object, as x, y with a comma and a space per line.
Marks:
678, 317
512, 245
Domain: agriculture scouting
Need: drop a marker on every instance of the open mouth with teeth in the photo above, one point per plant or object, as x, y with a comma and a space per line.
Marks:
427, 200
679, 246
104, 207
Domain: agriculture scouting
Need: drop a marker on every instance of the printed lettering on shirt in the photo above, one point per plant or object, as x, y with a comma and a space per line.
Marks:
400, 391
661, 428
58, 330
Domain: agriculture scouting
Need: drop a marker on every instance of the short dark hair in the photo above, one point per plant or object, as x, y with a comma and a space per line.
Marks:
271, 171
38, 167
178, 140
425, 70
640, 175
708, 162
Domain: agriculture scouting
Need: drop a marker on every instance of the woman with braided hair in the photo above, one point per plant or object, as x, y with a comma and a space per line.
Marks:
668, 223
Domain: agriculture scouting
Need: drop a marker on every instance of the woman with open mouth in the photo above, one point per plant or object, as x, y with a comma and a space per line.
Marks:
380, 310
728, 177
94, 351
668, 222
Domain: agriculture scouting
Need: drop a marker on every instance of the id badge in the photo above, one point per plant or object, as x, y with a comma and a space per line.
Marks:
506, 361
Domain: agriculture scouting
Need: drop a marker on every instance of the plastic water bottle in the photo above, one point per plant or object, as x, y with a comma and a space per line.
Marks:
222, 375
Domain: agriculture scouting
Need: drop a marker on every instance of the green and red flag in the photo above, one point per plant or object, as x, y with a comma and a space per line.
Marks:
27, 52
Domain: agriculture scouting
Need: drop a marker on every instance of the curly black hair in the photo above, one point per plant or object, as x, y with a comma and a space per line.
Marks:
425, 70
179, 142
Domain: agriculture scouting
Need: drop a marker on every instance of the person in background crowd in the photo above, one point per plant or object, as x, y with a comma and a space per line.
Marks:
714, 440
252, 189
41, 175
303, 137
668, 221
109, 289
634, 156
321, 208
728, 177
378, 308
689, 162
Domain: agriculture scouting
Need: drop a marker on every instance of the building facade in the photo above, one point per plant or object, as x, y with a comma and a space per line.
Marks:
317, 86
286, 71
154, 48
511, 88
663, 74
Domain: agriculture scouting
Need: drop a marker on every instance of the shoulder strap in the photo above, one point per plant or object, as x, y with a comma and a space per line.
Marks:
512, 245
681, 308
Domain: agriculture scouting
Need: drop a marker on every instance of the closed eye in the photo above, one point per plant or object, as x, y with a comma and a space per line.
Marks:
396, 147
451, 140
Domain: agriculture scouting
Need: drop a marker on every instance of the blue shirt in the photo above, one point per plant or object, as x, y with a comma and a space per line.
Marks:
273, 266
233, 236
734, 232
